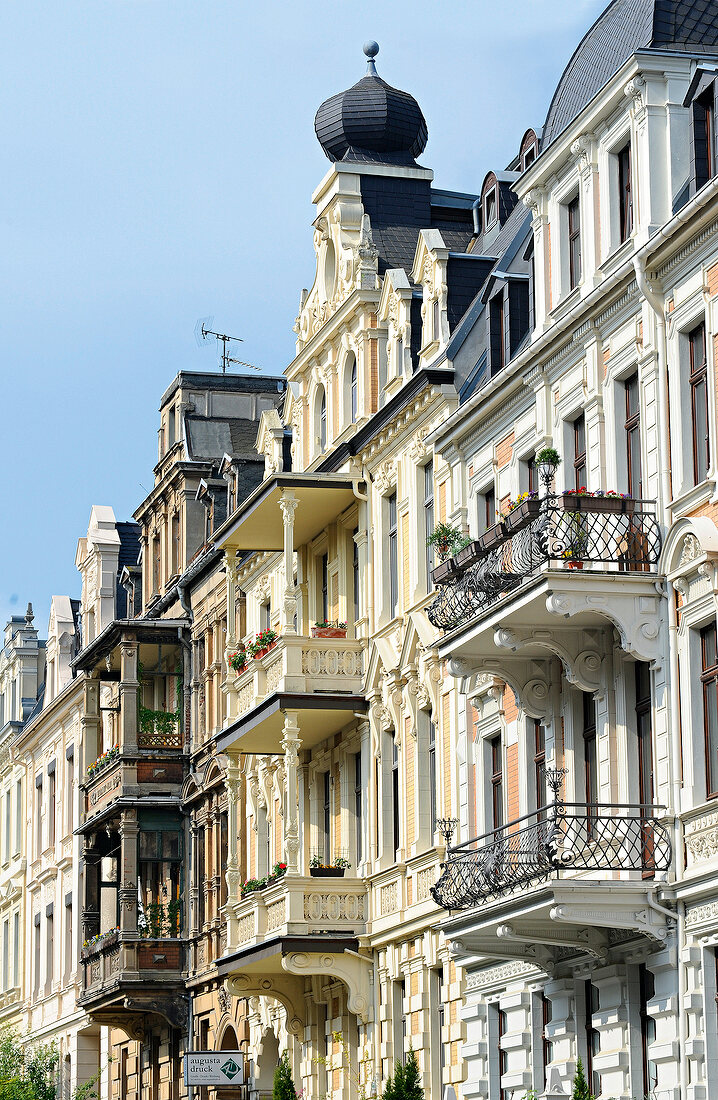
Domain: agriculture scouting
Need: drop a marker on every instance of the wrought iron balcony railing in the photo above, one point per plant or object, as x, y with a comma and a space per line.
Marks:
563, 532
572, 837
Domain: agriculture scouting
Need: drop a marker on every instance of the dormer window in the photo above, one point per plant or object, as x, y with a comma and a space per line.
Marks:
490, 208
528, 150
701, 100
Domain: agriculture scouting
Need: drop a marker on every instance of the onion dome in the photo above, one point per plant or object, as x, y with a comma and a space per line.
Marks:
626, 26
372, 121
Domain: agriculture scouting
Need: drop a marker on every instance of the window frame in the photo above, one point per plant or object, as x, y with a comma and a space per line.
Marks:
632, 428
496, 781
573, 241
626, 219
393, 554
698, 382
580, 466
709, 681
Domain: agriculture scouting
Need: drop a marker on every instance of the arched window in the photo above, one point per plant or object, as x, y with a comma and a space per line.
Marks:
353, 391
323, 421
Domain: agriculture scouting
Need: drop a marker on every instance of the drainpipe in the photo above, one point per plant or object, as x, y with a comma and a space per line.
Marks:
657, 305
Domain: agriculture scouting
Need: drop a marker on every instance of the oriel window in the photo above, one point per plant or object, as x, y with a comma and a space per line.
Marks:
625, 193
698, 379
574, 243
709, 680
632, 427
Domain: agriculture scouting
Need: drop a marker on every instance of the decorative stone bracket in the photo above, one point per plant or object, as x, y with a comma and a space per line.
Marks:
353, 969
636, 616
581, 662
287, 990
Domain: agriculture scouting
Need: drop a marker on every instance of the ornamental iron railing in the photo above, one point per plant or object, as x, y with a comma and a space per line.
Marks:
563, 836
621, 535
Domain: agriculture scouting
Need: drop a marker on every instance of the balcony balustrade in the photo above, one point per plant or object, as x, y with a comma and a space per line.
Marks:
113, 961
564, 837
570, 532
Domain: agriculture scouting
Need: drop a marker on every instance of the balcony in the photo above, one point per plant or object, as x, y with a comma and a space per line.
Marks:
296, 928
321, 679
531, 890
591, 560
124, 979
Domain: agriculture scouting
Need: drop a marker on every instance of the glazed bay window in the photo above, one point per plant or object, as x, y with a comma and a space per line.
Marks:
625, 193
698, 383
358, 804
160, 873
573, 216
632, 426
709, 681
393, 555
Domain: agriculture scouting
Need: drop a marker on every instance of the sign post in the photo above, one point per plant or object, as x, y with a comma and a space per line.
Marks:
211, 1067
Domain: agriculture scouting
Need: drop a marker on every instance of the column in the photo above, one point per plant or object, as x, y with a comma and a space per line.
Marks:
129, 688
232, 781
230, 569
562, 1033
288, 504
611, 1022
291, 743
129, 829
90, 723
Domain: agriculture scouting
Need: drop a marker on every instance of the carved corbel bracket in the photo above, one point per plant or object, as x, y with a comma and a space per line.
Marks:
581, 664
353, 969
635, 616
287, 990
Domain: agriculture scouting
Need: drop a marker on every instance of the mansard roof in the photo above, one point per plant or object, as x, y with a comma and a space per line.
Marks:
626, 26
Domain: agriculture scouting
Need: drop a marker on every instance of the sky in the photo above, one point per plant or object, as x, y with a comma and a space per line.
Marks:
158, 162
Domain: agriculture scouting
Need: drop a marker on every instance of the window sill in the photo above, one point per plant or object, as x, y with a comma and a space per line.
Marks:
616, 258
564, 303
692, 498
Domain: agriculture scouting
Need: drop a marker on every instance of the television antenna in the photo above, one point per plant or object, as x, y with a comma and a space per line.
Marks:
203, 331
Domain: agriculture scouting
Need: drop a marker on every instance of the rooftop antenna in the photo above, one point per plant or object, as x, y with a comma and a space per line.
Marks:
203, 331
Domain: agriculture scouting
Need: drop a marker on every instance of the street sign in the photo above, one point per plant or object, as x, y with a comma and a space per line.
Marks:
211, 1067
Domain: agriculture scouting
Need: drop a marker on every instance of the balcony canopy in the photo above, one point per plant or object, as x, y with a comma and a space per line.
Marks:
149, 633
260, 730
258, 523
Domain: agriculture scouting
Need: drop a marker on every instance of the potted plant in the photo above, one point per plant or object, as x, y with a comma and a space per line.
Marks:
319, 869
583, 500
265, 640
522, 511
329, 629
576, 539
446, 541
252, 884
238, 660
547, 461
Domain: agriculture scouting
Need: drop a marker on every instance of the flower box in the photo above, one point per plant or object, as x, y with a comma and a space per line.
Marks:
264, 650
521, 515
329, 632
444, 572
468, 555
492, 536
583, 502
327, 872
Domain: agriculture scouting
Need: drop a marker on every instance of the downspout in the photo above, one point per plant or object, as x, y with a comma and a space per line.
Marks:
656, 304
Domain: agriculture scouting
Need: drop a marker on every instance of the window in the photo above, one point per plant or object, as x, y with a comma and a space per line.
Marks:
646, 992
223, 855
579, 452
160, 873
625, 193
36, 954
532, 482
435, 322
323, 421
539, 763
176, 561
69, 789
324, 594
574, 242
428, 515
709, 679
436, 1033
171, 425
432, 776
497, 332
6, 955
644, 733
490, 208
358, 800
393, 535
38, 816
395, 795
497, 783
353, 394
265, 615
593, 1037
19, 820
51, 804
698, 380
8, 820
355, 573
546, 1044
68, 936
156, 565
632, 426
16, 948
703, 136
201, 876
327, 818
590, 753
49, 947
504, 1094
488, 517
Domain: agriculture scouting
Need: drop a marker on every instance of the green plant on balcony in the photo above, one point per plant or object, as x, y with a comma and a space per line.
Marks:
263, 641
238, 660
252, 884
174, 916
155, 919
159, 728
548, 456
103, 761
446, 540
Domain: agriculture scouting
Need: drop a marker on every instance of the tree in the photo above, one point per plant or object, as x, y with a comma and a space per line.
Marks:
283, 1085
405, 1082
580, 1084
26, 1072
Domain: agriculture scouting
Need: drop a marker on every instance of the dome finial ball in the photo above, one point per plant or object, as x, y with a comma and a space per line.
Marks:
371, 49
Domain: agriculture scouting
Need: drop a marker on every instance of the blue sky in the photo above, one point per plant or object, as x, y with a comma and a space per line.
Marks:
159, 160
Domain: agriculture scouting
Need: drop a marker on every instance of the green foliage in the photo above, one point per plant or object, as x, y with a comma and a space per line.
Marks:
549, 456
405, 1083
26, 1072
283, 1085
580, 1084
446, 540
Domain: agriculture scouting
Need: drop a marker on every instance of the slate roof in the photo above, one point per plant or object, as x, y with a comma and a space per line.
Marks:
371, 121
129, 545
210, 437
623, 28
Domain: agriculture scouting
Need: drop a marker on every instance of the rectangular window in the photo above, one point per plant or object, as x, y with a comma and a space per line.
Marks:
703, 136
51, 804
504, 1094
532, 483
546, 1044
428, 515
49, 947
324, 596
36, 954
436, 329
539, 763
393, 535
593, 1037
579, 452
625, 193
38, 816
497, 333
497, 783
574, 243
176, 559
488, 517
647, 990
156, 564
19, 820
68, 937
632, 426
6, 955
644, 733
709, 679
590, 751
69, 789
432, 776
698, 381
395, 795
327, 818
358, 801
265, 615
16, 948
355, 573
8, 822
